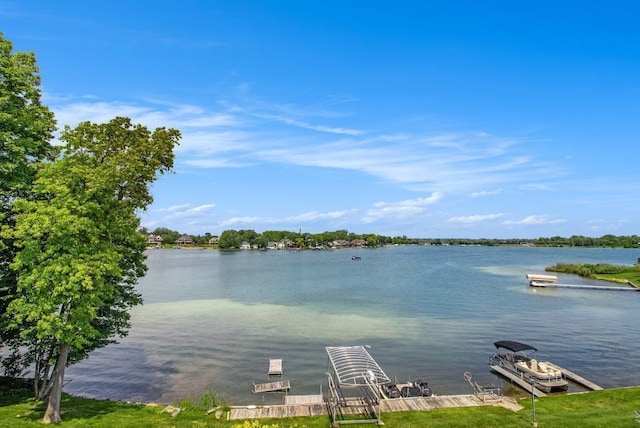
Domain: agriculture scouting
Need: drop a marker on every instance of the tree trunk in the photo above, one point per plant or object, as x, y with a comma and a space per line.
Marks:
52, 414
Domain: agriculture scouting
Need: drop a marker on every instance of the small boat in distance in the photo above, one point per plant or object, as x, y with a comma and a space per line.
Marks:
512, 357
356, 258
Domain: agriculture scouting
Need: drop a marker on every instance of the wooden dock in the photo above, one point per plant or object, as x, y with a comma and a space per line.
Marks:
583, 286
576, 378
277, 411
429, 403
277, 386
304, 399
549, 281
275, 367
388, 405
518, 380
568, 374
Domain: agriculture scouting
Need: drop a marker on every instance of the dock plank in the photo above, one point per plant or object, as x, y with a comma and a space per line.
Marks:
539, 284
275, 367
280, 385
277, 411
521, 382
304, 399
576, 378
386, 405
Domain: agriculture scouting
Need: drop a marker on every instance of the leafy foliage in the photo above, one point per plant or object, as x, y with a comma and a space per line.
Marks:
26, 128
79, 251
604, 271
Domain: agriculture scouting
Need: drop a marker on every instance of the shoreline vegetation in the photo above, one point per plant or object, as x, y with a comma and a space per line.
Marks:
603, 271
163, 237
618, 407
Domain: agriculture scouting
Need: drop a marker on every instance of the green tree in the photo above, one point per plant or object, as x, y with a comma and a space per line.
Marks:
26, 129
168, 236
80, 254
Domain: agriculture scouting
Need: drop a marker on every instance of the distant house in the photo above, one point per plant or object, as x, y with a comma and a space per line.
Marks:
214, 240
358, 243
245, 246
184, 240
272, 245
285, 244
340, 243
154, 240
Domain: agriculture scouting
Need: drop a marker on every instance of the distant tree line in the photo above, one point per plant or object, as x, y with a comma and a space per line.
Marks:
606, 241
232, 239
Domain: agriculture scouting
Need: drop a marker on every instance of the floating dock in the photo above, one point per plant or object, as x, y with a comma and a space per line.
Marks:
275, 367
582, 286
518, 380
567, 374
573, 377
549, 281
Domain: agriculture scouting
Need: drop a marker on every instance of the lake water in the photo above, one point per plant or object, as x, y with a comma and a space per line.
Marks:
211, 320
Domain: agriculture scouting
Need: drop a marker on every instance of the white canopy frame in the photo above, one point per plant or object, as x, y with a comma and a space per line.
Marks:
354, 366
355, 370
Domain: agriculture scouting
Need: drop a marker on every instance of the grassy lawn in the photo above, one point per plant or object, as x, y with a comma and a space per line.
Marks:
610, 408
603, 271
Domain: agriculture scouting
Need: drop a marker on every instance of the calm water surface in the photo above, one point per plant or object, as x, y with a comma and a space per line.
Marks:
211, 320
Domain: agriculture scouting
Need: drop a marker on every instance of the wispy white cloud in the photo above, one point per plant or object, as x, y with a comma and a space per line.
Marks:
301, 124
183, 211
606, 225
288, 220
536, 220
174, 208
240, 136
484, 193
400, 209
472, 219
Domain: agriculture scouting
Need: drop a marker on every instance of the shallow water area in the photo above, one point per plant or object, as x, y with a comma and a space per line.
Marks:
212, 319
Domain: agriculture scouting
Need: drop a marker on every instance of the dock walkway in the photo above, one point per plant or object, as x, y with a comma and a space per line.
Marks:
584, 286
387, 405
576, 378
565, 373
304, 399
518, 380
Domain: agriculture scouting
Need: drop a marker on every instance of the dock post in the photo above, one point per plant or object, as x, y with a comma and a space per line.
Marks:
533, 404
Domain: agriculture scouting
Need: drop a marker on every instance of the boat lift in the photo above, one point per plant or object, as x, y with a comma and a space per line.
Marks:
356, 387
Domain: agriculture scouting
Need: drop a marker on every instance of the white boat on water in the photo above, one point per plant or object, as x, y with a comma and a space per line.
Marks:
513, 357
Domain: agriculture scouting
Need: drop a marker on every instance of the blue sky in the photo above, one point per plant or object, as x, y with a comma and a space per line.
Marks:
494, 119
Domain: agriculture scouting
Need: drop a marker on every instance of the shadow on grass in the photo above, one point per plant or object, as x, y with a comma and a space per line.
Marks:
87, 408
15, 390
18, 393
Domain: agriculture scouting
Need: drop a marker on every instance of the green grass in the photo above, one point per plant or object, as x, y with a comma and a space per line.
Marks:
610, 408
603, 271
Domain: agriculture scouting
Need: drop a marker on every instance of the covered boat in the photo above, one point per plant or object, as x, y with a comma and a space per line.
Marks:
517, 359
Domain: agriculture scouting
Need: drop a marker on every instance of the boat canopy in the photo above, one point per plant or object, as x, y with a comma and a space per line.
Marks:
514, 346
542, 278
354, 366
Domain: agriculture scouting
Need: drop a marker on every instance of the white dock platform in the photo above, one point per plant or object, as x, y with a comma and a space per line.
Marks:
275, 367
